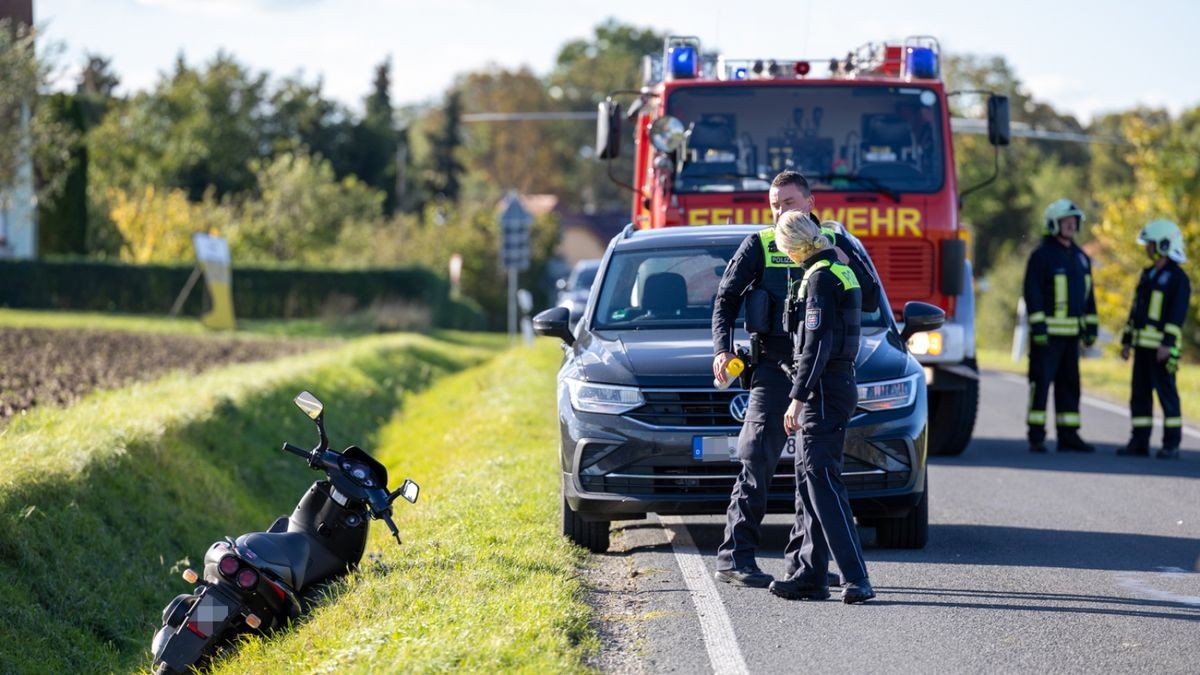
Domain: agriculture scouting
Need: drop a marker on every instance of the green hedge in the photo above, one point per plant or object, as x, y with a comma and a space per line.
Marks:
258, 292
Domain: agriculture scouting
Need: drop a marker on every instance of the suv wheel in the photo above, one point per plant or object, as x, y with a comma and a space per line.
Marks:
911, 531
952, 417
592, 535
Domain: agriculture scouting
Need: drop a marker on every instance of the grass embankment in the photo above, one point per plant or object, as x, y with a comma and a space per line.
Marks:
1109, 378
102, 503
483, 582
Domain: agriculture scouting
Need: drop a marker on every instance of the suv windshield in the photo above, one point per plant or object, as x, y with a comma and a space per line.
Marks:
859, 137
668, 288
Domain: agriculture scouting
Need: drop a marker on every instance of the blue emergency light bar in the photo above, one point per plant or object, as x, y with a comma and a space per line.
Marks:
685, 62
921, 62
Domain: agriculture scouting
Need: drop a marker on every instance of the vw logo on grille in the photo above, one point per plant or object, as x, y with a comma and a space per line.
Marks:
738, 406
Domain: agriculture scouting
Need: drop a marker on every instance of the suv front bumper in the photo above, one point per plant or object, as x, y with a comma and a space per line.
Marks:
616, 467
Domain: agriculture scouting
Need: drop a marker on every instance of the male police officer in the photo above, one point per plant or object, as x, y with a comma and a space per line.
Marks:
757, 266
826, 322
1153, 333
1062, 307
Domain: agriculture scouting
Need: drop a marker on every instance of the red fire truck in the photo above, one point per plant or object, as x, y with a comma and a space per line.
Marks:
870, 131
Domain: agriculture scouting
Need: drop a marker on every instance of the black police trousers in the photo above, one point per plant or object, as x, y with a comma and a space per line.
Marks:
1057, 363
824, 522
1151, 376
760, 444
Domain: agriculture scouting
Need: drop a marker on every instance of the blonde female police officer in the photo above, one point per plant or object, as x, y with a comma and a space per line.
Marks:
826, 325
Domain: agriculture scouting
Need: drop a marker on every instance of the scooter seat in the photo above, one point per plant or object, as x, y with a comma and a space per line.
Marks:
284, 553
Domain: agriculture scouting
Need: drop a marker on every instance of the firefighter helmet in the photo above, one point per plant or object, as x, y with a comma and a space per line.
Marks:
1166, 238
1059, 209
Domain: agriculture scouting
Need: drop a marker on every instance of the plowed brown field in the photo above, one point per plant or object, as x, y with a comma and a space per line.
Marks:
43, 367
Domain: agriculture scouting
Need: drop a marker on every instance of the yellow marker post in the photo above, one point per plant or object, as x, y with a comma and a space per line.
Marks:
213, 255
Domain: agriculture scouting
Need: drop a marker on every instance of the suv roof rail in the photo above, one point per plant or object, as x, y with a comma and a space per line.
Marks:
628, 231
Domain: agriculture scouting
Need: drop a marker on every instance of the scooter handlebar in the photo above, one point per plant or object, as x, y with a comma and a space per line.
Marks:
300, 452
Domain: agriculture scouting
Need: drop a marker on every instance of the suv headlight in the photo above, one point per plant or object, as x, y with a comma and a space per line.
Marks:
603, 398
929, 343
888, 394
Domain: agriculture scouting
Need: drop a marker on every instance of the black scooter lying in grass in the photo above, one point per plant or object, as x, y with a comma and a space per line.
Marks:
258, 582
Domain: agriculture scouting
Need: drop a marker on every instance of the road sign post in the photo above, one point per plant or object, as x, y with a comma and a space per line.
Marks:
514, 250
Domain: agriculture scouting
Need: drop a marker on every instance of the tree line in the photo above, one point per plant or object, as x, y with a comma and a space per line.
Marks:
290, 175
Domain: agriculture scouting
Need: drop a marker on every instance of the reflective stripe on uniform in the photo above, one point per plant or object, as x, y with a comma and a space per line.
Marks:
1142, 421
1036, 417
1056, 325
1172, 329
1173, 422
1037, 317
1148, 337
844, 274
1092, 320
1154, 313
1060, 295
771, 253
1087, 286
1067, 419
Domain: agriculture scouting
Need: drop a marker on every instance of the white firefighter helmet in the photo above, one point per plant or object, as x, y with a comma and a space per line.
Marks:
1059, 209
1166, 237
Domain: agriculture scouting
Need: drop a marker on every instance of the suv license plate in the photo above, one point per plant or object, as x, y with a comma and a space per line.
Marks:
714, 448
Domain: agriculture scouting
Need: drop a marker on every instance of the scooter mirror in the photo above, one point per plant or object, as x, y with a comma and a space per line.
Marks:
410, 490
309, 404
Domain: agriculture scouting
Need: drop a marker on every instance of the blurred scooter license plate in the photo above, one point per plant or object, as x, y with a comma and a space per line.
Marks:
714, 448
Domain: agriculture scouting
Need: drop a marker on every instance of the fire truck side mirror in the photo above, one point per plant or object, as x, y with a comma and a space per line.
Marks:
999, 131
608, 129
667, 134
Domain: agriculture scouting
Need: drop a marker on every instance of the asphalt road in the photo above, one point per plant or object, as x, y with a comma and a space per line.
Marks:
1045, 563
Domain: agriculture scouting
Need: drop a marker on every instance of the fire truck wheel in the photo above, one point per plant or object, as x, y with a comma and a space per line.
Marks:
952, 418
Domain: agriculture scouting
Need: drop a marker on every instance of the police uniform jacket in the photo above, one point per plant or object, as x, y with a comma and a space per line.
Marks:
829, 323
1058, 291
1159, 308
860, 263
758, 263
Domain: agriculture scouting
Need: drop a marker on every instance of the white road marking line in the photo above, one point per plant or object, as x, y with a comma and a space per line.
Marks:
1099, 403
716, 628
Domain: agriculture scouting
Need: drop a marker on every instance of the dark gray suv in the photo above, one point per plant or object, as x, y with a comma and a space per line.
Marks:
644, 430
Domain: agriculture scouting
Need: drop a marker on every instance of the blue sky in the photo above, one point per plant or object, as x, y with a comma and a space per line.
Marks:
1083, 57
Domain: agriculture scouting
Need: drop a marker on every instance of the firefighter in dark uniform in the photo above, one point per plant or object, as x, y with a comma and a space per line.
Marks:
1153, 334
758, 276
824, 313
1062, 310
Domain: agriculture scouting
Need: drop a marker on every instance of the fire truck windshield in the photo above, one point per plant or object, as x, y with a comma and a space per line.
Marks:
881, 137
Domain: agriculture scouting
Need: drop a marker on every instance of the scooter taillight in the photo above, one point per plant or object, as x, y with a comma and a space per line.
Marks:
228, 565
247, 578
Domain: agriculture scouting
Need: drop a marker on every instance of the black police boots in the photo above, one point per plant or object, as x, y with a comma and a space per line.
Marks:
855, 592
794, 589
751, 577
1037, 446
1167, 453
1073, 443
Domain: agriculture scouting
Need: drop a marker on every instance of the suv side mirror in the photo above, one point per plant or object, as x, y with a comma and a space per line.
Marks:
608, 129
920, 317
999, 128
555, 322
